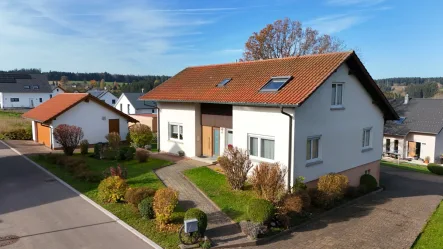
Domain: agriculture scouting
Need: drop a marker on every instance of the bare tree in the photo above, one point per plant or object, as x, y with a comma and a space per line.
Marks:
286, 38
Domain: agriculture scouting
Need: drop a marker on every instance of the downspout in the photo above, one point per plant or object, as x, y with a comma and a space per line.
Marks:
289, 148
158, 123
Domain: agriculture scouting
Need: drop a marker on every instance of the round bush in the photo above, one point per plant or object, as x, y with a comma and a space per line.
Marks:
435, 168
368, 183
165, 200
260, 211
84, 147
112, 189
135, 195
145, 207
200, 216
292, 204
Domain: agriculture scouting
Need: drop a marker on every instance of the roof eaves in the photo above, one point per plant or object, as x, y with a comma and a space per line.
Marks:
229, 103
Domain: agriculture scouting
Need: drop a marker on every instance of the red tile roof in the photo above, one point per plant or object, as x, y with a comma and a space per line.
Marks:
62, 102
198, 84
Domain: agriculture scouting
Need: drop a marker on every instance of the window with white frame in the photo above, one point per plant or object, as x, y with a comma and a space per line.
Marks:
175, 131
337, 94
15, 100
261, 146
366, 141
313, 148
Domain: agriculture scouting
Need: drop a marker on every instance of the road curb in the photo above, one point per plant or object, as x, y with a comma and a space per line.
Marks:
106, 212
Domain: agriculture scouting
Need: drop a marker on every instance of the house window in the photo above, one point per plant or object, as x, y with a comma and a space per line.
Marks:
396, 146
313, 149
175, 131
229, 137
223, 82
35, 87
337, 95
366, 141
40, 99
15, 100
50, 96
388, 145
113, 101
275, 84
261, 146
57, 89
129, 106
27, 87
121, 107
153, 110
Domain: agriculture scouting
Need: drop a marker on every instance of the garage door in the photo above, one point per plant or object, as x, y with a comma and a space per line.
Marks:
44, 135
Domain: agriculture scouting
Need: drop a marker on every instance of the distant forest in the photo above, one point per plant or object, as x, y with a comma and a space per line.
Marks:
416, 87
404, 81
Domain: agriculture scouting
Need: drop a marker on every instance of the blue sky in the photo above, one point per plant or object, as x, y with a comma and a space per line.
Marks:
395, 38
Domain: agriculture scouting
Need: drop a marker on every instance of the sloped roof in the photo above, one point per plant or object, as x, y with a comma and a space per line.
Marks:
15, 83
59, 104
199, 84
97, 93
421, 115
139, 104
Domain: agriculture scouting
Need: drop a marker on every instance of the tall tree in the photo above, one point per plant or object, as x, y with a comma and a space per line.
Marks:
286, 38
102, 84
64, 80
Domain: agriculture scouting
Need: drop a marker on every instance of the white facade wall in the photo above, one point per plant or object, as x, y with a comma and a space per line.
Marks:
57, 91
108, 98
188, 115
402, 145
24, 99
1, 100
438, 146
341, 131
122, 105
93, 119
33, 125
428, 144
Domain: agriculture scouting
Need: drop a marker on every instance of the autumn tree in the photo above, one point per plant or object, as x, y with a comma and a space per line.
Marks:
64, 80
68, 136
157, 82
286, 38
102, 84
93, 83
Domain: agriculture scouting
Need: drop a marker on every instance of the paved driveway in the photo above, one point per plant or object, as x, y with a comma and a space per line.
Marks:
46, 214
390, 219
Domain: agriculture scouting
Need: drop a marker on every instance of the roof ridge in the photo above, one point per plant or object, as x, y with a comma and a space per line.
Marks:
273, 59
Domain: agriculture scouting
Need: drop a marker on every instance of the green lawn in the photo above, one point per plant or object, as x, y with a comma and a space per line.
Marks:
407, 166
139, 174
432, 235
215, 186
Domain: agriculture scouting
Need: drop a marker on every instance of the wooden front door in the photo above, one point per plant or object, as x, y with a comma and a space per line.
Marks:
412, 149
44, 135
207, 141
114, 125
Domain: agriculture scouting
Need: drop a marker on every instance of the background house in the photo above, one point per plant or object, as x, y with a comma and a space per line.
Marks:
56, 89
105, 96
129, 104
96, 118
418, 132
23, 90
315, 114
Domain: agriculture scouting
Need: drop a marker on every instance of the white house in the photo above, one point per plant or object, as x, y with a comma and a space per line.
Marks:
315, 114
129, 104
23, 90
418, 134
56, 89
96, 118
104, 96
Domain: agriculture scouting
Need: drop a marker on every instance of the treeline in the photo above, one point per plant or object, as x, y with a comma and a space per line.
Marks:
404, 81
427, 90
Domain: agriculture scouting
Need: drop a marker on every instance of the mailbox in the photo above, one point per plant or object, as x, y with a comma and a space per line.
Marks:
191, 226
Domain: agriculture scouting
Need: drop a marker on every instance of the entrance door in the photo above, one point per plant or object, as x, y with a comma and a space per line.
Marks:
114, 125
412, 148
31, 103
216, 141
207, 141
43, 135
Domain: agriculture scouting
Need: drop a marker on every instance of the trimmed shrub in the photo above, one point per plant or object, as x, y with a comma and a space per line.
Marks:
165, 201
200, 216
141, 135
68, 136
135, 195
113, 140
145, 207
130, 153
268, 180
109, 153
141, 155
292, 204
332, 187
125, 153
112, 189
435, 168
260, 210
119, 171
97, 150
368, 183
236, 165
84, 147
17, 134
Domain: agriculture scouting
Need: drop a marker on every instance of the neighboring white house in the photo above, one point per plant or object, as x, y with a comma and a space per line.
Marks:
96, 118
316, 114
105, 96
129, 104
418, 133
56, 89
23, 90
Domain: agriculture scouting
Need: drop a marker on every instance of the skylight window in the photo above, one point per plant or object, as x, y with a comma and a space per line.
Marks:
35, 87
400, 120
224, 82
275, 84
27, 87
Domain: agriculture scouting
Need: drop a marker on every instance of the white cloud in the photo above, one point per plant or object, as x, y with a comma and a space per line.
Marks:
336, 23
354, 2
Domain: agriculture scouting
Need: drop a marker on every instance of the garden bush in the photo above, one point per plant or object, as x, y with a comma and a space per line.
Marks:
268, 181
200, 216
97, 150
165, 201
368, 183
236, 165
260, 211
113, 140
17, 134
141, 135
135, 195
84, 147
299, 184
145, 207
435, 168
332, 188
292, 204
109, 153
125, 153
119, 171
112, 189
141, 155
68, 136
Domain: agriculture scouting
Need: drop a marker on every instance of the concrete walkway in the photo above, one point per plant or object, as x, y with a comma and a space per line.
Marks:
221, 230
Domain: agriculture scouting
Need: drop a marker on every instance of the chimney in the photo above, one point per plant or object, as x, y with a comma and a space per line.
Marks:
143, 90
406, 99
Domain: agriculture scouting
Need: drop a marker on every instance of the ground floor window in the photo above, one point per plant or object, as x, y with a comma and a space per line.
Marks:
175, 131
15, 100
366, 141
313, 148
396, 146
388, 145
261, 146
229, 137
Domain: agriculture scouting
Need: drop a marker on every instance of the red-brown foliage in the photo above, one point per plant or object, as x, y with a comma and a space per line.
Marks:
68, 136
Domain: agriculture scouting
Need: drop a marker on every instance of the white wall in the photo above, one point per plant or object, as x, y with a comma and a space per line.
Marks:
1, 100
124, 102
402, 145
438, 146
24, 101
57, 91
108, 97
341, 130
93, 119
427, 144
33, 125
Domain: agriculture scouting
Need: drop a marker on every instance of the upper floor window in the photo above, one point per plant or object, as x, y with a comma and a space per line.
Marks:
366, 140
261, 146
113, 101
27, 87
35, 87
175, 131
337, 95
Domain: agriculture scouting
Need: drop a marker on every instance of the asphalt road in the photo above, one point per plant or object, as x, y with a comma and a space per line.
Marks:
45, 214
